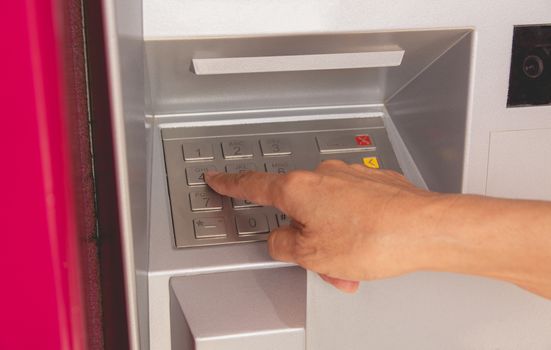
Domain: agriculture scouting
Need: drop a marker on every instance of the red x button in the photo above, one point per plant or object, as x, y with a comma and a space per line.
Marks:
363, 140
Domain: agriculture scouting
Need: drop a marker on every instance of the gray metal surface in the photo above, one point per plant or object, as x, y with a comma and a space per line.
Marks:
238, 149
175, 88
254, 309
430, 113
427, 311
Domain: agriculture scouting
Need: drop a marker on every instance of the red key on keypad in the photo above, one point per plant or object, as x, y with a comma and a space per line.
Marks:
363, 140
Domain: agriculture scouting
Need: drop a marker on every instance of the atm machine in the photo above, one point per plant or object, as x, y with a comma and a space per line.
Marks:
456, 95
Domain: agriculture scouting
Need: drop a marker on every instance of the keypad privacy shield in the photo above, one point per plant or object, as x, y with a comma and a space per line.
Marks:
201, 216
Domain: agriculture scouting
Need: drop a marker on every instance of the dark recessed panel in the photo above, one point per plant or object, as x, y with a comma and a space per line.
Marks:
530, 77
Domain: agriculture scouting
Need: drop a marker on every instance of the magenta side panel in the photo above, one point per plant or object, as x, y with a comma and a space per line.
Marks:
41, 295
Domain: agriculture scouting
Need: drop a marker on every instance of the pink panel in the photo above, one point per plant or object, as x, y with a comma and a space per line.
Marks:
41, 289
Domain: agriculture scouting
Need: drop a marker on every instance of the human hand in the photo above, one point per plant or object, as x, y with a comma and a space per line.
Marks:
350, 223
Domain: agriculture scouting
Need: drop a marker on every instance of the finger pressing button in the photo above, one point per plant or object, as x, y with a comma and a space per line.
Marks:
196, 175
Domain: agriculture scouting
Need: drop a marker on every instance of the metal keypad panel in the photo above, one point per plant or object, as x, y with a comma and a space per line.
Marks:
202, 217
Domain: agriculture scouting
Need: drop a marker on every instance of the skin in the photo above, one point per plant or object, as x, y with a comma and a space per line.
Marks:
351, 223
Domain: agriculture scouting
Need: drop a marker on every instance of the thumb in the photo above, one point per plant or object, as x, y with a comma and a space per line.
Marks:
282, 243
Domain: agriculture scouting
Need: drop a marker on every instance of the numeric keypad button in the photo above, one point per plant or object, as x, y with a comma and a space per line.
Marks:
279, 166
209, 227
275, 146
205, 200
198, 151
240, 168
236, 149
250, 224
196, 175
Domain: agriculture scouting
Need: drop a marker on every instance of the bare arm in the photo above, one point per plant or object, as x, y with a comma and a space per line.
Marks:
351, 223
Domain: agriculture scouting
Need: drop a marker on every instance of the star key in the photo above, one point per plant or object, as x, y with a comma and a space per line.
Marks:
209, 228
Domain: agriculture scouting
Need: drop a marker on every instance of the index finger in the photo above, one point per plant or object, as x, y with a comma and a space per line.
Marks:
260, 188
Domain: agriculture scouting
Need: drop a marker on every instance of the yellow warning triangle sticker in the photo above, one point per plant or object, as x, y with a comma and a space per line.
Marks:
371, 162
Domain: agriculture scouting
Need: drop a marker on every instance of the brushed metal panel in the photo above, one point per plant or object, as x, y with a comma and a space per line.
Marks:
176, 89
255, 309
430, 113
429, 311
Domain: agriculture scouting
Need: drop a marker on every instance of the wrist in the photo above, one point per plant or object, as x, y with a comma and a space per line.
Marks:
412, 228
432, 231
471, 237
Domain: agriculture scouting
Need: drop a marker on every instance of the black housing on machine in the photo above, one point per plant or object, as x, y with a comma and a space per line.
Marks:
530, 76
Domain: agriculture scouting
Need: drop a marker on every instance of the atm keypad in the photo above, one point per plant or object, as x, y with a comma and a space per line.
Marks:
201, 216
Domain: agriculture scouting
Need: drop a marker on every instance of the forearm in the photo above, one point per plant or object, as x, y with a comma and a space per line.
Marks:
353, 223
505, 239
